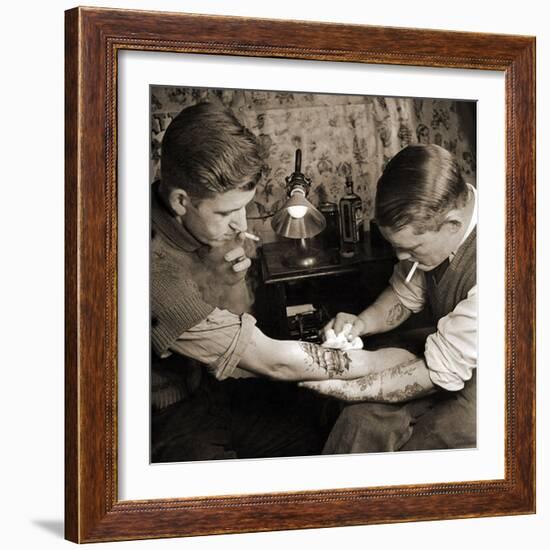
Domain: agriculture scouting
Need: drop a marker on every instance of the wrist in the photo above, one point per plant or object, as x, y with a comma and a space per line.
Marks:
364, 325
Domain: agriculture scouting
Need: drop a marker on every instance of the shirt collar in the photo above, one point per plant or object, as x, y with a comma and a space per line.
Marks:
168, 225
471, 225
473, 220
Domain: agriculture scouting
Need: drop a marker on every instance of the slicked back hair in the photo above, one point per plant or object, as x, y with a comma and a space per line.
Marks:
206, 151
418, 187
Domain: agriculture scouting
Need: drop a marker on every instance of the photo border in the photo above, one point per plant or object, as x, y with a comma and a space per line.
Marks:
94, 36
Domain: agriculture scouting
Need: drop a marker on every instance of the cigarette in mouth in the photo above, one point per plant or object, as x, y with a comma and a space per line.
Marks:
250, 236
245, 233
411, 272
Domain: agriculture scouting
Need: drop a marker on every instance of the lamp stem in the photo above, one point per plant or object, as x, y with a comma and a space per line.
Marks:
298, 164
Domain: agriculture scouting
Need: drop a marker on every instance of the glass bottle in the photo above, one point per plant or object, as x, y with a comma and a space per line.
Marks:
331, 233
351, 220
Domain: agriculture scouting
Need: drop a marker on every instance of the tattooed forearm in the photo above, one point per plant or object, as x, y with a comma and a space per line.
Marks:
377, 385
403, 382
331, 361
395, 314
407, 368
410, 391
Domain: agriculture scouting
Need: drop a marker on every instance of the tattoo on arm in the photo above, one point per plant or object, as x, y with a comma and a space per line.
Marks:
409, 391
395, 314
333, 362
373, 386
404, 369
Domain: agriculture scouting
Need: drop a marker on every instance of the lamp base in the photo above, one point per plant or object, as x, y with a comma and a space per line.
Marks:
300, 261
304, 255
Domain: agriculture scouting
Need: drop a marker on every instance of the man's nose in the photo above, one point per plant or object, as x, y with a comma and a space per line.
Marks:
239, 219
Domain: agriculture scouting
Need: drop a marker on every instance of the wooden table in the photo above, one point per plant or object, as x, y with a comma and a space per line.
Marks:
335, 283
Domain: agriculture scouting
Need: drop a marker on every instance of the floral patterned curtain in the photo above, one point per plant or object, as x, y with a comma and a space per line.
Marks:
339, 135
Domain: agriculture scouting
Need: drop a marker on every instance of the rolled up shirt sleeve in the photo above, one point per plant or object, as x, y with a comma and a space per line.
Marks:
411, 294
451, 352
219, 341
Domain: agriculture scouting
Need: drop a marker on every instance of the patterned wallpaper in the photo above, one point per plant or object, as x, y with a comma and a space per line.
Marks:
339, 135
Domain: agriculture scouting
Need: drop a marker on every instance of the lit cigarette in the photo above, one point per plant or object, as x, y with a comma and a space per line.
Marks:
250, 236
411, 272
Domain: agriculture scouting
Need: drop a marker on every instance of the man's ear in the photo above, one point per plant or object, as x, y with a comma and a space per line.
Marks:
453, 221
178, 200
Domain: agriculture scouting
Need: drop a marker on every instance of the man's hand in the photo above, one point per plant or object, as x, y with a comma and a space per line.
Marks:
337, 325
237, 256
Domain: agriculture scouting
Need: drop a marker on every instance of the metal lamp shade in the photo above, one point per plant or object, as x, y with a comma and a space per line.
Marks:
308, 225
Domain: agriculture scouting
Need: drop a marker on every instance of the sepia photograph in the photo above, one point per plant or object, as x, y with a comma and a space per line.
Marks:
272, 263
312, 274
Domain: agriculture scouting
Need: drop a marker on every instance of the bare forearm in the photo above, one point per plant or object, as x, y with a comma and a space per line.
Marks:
384, 314
294, 360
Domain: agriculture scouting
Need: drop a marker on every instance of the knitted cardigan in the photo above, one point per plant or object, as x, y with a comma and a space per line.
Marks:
458, 279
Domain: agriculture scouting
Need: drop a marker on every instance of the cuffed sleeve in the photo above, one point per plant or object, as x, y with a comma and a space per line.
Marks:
219, 341
451, 352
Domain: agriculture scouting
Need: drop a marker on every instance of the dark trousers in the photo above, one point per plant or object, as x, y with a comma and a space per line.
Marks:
242, 418
446, 420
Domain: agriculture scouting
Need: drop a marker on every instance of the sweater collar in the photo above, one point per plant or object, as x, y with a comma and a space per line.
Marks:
166, 223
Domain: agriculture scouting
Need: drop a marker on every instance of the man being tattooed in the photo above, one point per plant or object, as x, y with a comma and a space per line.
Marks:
220, 386
428, 213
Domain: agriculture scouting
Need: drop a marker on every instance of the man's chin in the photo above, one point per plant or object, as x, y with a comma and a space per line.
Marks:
220, 241
428, 267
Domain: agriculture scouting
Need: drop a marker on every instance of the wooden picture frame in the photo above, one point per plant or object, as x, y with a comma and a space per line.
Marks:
93, 39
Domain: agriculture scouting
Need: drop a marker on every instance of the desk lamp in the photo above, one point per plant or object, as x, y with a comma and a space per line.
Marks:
298, 219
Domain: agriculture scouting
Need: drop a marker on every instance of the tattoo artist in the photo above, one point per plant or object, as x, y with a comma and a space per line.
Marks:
426, 210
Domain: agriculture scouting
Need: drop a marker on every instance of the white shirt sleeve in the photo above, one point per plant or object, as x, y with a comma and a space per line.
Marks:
412, 295
219, 341
451, 352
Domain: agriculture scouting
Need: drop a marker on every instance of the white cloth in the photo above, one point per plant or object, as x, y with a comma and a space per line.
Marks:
451, 352
340, 341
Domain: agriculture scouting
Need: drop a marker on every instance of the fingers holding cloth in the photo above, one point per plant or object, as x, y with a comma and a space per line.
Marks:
343, 332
